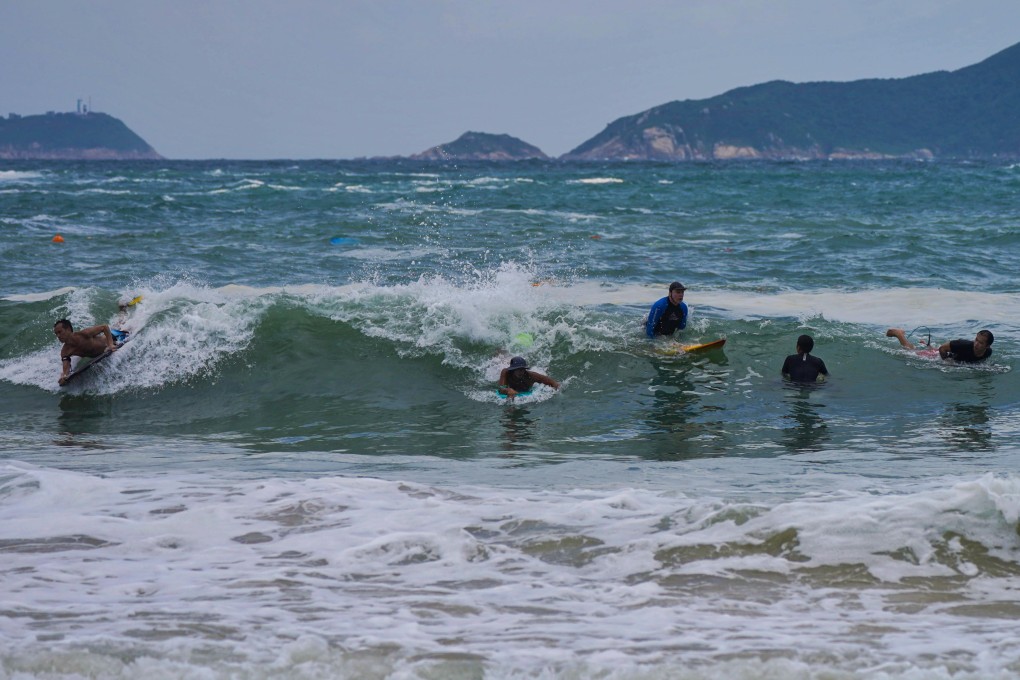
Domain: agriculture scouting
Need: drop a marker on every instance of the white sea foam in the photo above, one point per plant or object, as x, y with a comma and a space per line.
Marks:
386, 254
198, 327
485, 309
556, 214
109, 192
907, 307
36, 297
240, 185
527, 583
596, 180
19, 175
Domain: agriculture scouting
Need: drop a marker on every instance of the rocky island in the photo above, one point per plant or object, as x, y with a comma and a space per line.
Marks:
71, 136
482, 146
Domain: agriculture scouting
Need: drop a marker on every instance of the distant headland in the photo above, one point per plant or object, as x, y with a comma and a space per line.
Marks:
78, 135
969, 113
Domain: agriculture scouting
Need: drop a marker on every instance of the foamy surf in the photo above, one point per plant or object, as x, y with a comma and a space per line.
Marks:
399, 577
298, 467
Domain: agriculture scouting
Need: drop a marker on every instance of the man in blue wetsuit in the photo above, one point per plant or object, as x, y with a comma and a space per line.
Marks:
668, 315
802, 367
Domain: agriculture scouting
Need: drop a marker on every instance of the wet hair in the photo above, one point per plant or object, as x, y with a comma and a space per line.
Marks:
988, 336
65, 323
806, 343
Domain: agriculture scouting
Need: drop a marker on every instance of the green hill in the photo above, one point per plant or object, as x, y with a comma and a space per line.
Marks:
70, 136
969, 113
482, 146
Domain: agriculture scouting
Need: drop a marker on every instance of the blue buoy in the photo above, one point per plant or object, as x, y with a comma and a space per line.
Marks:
343, 241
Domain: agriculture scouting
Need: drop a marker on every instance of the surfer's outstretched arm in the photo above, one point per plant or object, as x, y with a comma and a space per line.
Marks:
901, 336
545, 380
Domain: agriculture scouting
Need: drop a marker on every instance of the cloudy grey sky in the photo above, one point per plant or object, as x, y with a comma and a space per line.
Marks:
349, 78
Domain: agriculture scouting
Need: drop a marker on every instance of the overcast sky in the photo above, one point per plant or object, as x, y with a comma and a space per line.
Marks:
348, 78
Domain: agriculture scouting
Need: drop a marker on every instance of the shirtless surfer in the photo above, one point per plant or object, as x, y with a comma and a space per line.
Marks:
84, 343
958, 350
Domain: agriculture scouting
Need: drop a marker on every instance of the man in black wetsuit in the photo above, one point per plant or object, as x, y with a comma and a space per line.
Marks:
957, 350
802, 367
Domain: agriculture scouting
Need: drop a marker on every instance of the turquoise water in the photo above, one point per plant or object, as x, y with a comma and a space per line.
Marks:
304, 428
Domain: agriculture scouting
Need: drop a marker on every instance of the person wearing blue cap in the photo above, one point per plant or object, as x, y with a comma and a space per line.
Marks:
668, 315
516, 378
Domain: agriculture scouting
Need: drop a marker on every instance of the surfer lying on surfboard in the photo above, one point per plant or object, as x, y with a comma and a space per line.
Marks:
84, 343
957, 350
516, 378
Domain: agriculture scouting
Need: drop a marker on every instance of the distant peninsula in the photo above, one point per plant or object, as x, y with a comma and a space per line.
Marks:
482, 146
965, 114
969, 113
71, 136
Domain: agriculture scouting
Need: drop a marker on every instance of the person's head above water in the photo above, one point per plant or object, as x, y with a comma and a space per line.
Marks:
805, 344
676, 292
63, 330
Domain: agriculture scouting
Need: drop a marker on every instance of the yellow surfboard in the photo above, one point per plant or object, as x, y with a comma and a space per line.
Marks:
715, 344
677, 348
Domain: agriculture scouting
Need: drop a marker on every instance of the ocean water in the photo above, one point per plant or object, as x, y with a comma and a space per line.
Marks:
299, 466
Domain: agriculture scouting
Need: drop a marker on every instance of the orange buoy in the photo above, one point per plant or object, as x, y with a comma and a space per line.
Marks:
58, 239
